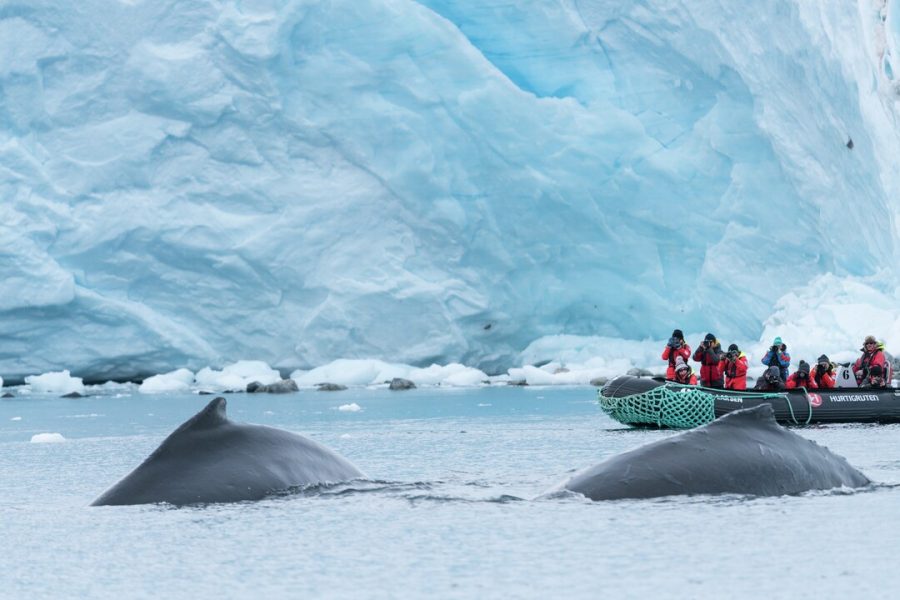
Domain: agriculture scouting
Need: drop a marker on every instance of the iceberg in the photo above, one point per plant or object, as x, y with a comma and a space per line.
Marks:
179, 380
47, 438
236, 376
358, 372
59, 382
189, 183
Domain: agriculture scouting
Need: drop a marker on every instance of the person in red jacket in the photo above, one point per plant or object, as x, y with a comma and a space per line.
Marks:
709, 355
683, 373
801, 378
676, 348
823, 372
734, 367
864, 367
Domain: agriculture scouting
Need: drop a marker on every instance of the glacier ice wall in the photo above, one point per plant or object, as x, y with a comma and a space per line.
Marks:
192, 182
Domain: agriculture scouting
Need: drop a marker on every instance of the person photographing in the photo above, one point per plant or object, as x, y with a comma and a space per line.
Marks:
709, 354
802, 378
823, 372
734, 368
777, 356
675, 348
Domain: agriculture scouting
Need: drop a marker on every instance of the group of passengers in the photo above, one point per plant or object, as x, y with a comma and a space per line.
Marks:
728, 369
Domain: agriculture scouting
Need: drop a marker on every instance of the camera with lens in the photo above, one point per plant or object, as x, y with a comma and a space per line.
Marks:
731, 355
674, 343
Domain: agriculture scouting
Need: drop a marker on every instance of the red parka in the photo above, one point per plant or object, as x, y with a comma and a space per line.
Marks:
825, 381
735, 373
869, 360
795, 382
710, 358
670, 355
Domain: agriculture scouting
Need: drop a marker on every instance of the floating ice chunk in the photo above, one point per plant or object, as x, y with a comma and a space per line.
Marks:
1, 382
453, 374
352, 407
16, 419
351, 372
370, 372
236, 376
210, 379
346, 436
47, 438
254, 370
111, 387
467, 378
57, 382
174, 381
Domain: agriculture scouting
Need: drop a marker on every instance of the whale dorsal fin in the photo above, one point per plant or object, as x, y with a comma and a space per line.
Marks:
213, 415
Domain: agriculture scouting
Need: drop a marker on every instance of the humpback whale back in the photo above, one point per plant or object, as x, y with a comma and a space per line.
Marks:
743, 452
212, 459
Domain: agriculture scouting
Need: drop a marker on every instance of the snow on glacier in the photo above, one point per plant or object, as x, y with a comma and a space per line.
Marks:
189, 183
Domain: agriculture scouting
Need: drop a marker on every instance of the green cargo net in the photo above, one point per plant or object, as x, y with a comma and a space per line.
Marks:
683, 407
668, 405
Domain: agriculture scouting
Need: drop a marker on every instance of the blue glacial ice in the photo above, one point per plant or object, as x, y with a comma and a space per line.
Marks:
189, 183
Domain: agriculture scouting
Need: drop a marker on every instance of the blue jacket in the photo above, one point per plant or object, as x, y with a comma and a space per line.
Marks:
782, 360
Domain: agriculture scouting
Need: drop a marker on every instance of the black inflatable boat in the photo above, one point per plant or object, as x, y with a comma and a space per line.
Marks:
654, 402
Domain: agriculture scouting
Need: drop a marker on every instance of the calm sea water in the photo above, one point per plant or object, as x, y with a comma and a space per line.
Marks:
451, 511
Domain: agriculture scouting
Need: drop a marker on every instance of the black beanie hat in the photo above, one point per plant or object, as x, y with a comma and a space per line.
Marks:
823, 358
733, 348
677, 334
709, 337
803, 367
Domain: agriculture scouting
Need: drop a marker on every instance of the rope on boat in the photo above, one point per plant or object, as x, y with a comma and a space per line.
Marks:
771, 396
808, 404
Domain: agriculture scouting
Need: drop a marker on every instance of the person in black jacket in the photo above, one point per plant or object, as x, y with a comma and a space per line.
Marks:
770, 381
